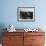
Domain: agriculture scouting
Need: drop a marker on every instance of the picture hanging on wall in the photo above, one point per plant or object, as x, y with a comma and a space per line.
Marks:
26, 14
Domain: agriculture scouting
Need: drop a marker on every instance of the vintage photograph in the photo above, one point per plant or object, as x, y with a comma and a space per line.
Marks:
26, 14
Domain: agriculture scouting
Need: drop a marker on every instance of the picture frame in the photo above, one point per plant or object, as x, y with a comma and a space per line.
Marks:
26, 14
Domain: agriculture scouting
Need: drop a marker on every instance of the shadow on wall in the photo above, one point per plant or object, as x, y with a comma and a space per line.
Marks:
2, 26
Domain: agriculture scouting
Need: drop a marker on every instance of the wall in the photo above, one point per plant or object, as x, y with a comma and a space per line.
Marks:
9, 13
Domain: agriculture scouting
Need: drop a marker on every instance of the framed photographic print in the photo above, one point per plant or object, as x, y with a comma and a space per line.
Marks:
26, 14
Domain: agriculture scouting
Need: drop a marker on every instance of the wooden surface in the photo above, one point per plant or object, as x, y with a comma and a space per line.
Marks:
13, 39
34, 39
23, 38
